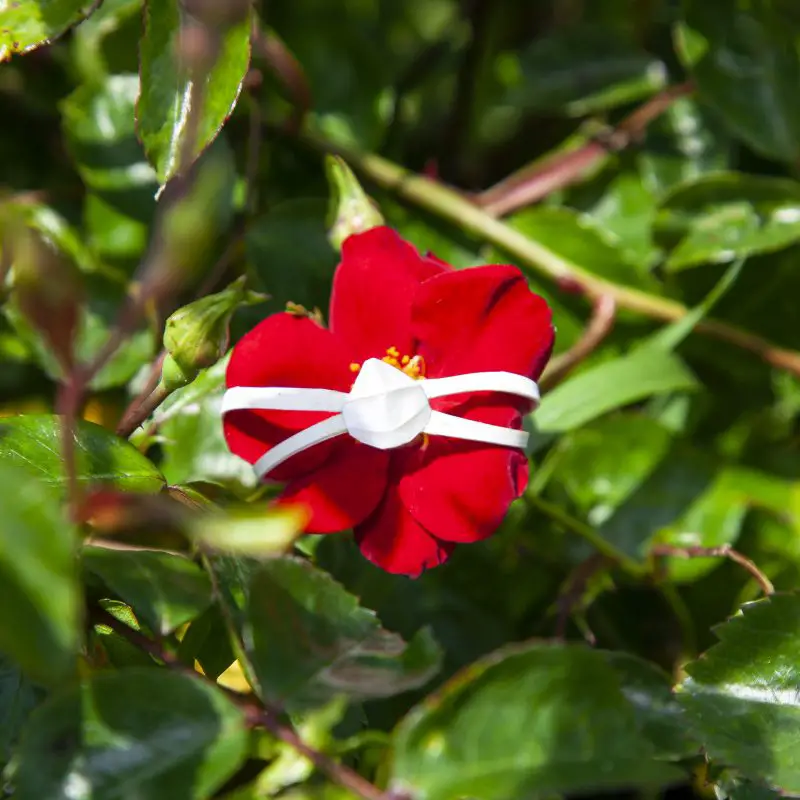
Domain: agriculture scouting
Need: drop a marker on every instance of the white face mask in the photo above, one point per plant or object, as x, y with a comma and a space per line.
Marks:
385, 409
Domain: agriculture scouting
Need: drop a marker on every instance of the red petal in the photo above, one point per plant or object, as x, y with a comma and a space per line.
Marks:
284, 350
373, 290
392, 540
460, 491
482, 319
344, 491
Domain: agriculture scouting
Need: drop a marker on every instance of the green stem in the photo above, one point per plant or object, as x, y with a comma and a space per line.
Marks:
587, 532
450, 205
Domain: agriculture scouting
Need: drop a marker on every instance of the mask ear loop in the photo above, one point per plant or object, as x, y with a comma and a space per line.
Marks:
328, 400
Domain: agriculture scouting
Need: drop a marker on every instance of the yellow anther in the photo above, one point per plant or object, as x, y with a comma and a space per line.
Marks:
405, 360
393, 351
355, 367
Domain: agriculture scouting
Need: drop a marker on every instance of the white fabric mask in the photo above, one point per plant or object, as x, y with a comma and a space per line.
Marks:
385, 408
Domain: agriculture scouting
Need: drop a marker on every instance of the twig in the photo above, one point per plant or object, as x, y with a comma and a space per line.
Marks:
255, 714
722, 551
337, 772
136, 415
600, 325
576, 586
152, 648
536, 258
267, 45
532, 184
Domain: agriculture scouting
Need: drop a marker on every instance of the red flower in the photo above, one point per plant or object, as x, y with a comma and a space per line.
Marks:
409, 506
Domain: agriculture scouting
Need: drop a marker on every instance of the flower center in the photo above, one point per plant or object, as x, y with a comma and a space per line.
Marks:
413, 366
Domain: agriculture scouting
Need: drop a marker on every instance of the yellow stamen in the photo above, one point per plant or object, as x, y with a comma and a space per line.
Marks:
413, 366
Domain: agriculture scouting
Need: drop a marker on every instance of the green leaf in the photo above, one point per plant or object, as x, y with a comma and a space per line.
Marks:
166, 86
163, 589
18, 697
308, 640
609, 386
192, 441
745, 61
601, 463
28, 24
584, 69
743, 695
685, 142
39, 603
526, 720
720, 217
649, 691
99, 123
581, 241
297, 227
96, 50
33, 442
141, 732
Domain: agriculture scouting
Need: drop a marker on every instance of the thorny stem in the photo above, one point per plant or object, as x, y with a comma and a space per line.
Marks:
723, 551
536, 258
600, 325
256, 714
137, 414
533, 183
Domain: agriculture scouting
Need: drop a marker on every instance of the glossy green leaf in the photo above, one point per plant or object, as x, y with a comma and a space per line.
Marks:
743, 696
609, 386
33, 442
745, 59
39, 600
584, 69
166, 86
579, 240
685, 142
527, 720
721, 217
132, 733
100, 128
309, 640
650, 693
163, 589
96, 42
28, 24
601, 463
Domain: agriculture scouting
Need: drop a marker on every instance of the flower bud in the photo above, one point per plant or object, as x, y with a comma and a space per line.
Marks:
351, 210
47, 290
196, 336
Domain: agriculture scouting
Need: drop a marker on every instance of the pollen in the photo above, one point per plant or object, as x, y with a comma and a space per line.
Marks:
413, 366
